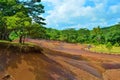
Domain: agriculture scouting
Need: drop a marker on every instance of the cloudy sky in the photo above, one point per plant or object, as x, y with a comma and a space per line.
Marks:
62, 14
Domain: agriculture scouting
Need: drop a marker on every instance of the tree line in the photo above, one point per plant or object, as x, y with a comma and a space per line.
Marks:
108, 35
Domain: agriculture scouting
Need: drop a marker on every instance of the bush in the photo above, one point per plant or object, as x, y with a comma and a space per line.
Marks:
109, 46
116, 45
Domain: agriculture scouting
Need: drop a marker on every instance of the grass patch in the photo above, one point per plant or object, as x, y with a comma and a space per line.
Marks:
102, 49
4, 41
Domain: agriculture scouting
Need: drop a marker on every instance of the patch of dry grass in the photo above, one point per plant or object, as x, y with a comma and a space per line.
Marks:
103, 49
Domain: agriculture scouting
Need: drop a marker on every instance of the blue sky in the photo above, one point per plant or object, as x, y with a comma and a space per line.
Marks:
62, 14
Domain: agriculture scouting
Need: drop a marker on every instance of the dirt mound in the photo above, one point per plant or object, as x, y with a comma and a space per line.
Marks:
26, 65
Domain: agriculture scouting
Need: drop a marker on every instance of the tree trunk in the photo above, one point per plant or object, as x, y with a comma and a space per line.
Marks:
21, 39
5, 34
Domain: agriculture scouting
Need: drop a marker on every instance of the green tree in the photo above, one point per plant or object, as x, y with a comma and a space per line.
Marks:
35, 9
97, 35
6, 9
37, 31
19, 23
113, 35
16, 17
70, 35
53, 34
83, 35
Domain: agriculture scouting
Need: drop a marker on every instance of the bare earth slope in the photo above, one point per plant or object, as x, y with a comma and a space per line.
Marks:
59, 61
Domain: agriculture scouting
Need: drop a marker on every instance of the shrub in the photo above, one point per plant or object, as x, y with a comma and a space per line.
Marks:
116, 45
109, 46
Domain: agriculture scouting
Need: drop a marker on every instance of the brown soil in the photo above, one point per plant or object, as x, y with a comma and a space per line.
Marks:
59, 61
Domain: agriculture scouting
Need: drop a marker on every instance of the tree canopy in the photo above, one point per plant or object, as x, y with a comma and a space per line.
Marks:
18, 16
107, 35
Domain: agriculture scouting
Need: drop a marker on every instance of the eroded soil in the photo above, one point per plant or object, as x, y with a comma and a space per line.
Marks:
59, 61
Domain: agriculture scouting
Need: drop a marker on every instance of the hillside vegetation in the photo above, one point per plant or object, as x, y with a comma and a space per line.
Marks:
97, 35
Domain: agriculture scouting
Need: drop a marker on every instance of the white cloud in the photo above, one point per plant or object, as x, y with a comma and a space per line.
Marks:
115, 8
74, 12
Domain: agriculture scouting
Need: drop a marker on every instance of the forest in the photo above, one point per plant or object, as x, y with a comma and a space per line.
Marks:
21, 19
83, 35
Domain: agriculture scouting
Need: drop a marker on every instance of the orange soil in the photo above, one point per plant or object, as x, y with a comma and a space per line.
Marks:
60, 61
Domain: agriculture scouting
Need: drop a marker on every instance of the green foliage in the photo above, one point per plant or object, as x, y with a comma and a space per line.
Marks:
96, 36
34, 10
70, 35
13, 36
37, 31
113, 34
109, 46
83, 35
16, 19
53, 34
116, 44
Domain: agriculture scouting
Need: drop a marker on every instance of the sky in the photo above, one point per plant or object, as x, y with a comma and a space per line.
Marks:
62, 14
